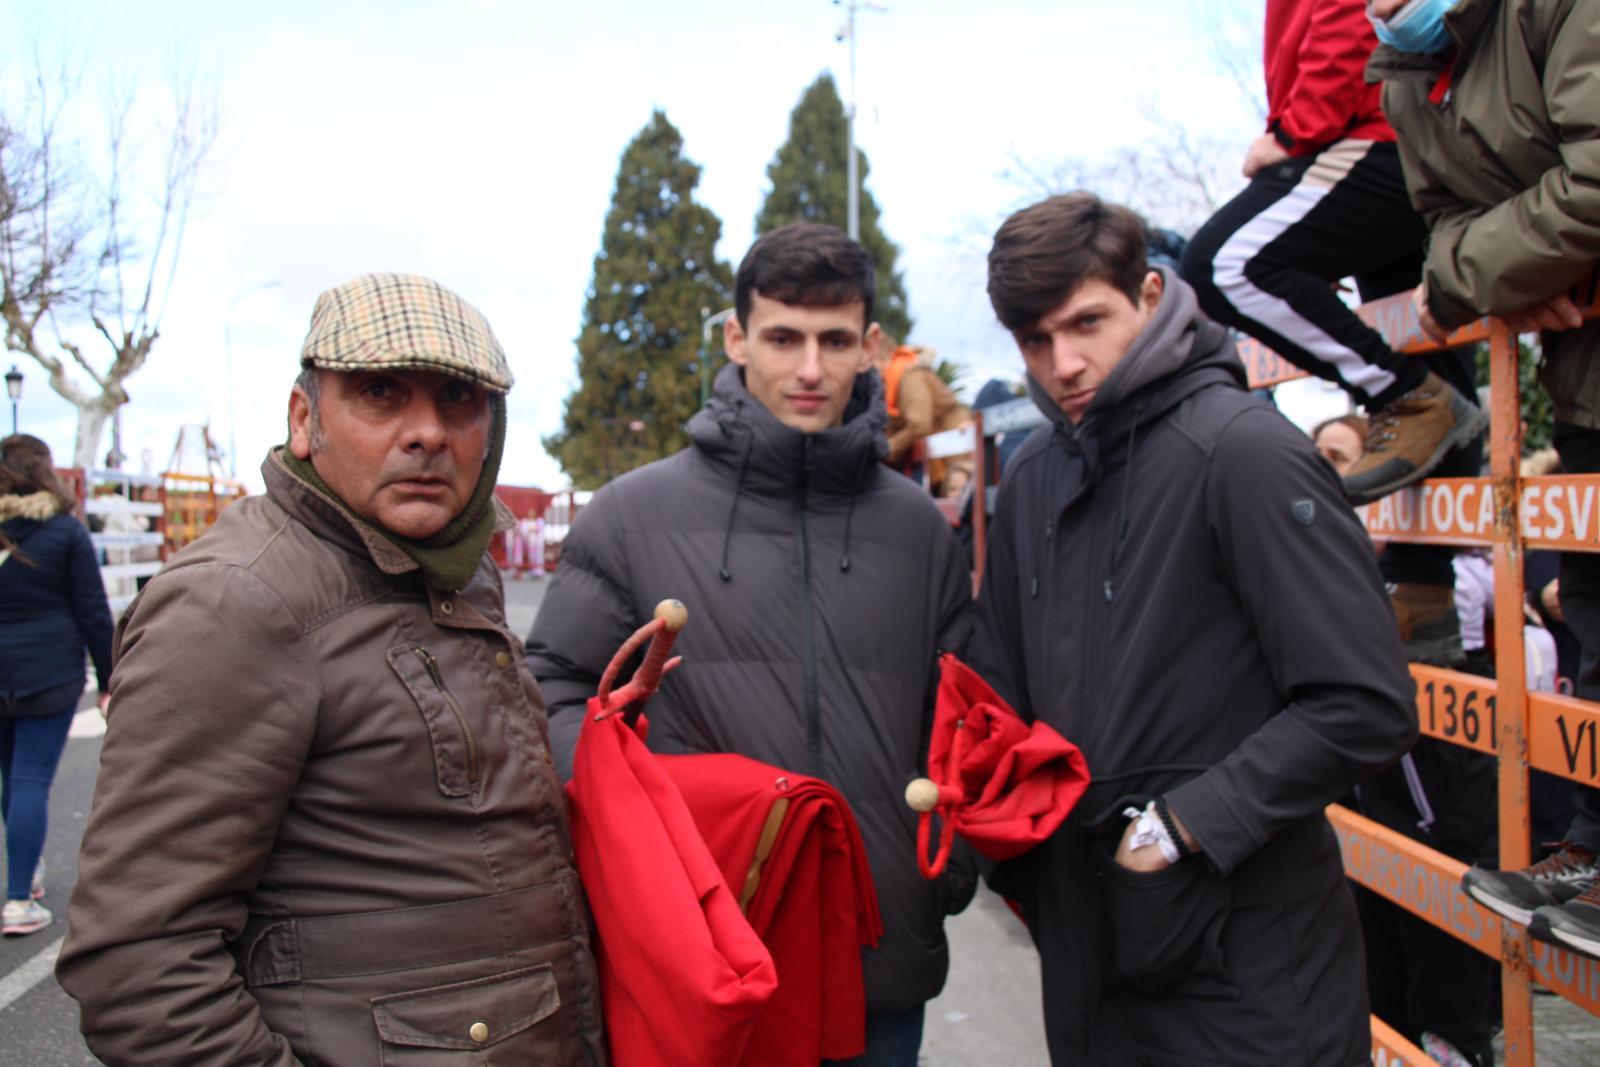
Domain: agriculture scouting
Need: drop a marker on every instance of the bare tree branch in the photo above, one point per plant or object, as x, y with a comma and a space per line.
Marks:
1233, 32
51, 201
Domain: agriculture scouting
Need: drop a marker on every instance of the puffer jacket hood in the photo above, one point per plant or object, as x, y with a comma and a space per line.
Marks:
736, 432
762, 455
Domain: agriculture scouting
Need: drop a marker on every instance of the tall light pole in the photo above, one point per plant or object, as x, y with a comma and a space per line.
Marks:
14, 388
847, 32
227, 351
708, 322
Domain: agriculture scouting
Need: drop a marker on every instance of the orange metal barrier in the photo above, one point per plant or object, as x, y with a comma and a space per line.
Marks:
1389, 1049
1500, 716
190, 503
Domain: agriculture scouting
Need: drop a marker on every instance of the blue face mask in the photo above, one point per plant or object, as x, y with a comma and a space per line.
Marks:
1417, 27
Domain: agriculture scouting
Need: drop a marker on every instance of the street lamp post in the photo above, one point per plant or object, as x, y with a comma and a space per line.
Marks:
708, 323
227, 349
14, 389
853, 195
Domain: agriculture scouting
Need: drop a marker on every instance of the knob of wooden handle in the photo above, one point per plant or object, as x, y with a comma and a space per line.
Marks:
922, 794
674, 614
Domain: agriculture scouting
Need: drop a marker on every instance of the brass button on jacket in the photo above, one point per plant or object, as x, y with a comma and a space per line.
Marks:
479, 1032
502, 660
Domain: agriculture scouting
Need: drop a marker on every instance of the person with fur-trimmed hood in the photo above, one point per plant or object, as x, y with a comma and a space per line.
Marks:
52, 608
1176, 583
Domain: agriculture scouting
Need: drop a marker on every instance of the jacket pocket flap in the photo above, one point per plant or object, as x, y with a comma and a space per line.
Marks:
468, 1015
450, 756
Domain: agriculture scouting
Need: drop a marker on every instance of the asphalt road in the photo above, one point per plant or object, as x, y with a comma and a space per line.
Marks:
38, 1022
988, 1014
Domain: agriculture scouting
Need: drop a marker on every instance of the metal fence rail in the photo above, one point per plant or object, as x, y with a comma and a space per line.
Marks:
1499, 716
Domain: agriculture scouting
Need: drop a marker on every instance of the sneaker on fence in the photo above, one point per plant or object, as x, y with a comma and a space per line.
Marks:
1408, 438
1429, 626
1573, 925
37, 892
23, 917
1516, 895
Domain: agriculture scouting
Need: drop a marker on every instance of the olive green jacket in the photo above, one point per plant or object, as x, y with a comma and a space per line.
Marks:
1502, 157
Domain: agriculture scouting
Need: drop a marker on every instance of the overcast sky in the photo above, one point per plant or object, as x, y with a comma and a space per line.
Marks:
477, 142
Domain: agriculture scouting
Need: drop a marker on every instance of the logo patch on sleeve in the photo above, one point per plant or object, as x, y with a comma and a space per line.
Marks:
1303, 510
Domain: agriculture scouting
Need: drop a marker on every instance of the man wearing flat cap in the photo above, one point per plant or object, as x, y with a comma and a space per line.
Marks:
327, 829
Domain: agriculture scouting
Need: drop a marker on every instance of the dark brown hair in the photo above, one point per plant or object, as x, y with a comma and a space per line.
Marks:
1043, 253
26, 467
806, 264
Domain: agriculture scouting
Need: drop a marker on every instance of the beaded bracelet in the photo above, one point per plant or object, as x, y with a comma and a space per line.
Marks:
1171, 825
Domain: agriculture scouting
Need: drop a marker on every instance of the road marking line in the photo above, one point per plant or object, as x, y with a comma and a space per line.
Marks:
30, 974
87, 724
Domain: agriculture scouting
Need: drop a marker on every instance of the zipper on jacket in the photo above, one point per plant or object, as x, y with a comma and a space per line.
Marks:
432, 666
813, 711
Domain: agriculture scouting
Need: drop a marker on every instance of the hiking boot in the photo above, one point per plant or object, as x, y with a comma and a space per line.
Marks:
23, 917
1574, 925
1515, 895
1429, 625
1409, 437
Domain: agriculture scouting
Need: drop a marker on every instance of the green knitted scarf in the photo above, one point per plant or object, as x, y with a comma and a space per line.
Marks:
448, 558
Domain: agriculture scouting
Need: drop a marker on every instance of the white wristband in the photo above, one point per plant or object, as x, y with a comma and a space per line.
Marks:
1149, 830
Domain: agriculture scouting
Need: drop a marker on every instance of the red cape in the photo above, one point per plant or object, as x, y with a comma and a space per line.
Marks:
790, 847
1005, 784
683, 976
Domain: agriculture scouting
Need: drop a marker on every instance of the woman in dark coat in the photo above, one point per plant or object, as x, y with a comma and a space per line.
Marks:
52, 607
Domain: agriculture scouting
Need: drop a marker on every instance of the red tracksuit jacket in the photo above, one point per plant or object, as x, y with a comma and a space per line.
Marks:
1315, 57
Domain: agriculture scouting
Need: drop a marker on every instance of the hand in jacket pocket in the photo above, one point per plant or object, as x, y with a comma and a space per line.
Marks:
1165, 926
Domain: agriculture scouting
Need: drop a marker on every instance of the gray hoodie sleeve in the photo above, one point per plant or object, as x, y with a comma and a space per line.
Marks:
1306, 576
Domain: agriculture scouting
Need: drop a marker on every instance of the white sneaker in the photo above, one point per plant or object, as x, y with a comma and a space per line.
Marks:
23, 917
1443, 1052
37, 892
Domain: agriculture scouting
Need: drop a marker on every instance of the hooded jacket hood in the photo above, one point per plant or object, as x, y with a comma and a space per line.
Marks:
1178, 353
1178, 338
36, 507
734, 429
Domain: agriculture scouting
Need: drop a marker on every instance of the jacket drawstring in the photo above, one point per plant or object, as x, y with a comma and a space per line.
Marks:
733, 513
1049, 527
850, 510
1122, 516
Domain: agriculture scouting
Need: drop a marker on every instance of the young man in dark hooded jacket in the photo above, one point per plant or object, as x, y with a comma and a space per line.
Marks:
1176, 583
820, 585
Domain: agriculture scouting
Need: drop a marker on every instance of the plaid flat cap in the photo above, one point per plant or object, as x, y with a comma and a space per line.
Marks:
403, 322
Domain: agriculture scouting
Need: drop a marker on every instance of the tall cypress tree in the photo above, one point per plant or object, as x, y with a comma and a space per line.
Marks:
810, 184
639, 348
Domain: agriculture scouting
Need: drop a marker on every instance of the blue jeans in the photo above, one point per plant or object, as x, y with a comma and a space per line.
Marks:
30, 750
893, 1040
